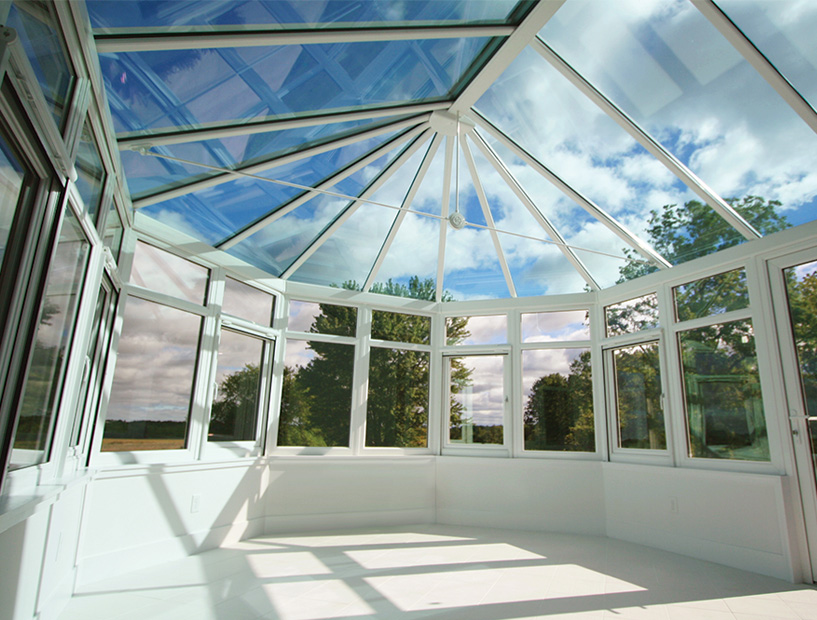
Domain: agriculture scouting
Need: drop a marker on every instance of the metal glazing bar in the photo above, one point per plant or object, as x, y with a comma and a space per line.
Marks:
755, 57
543, 221
137, 40
216, 131
718, 204
401, 215
486, 211
505, 55
347, 212
588, 205
446, 197
324, 185
263, 166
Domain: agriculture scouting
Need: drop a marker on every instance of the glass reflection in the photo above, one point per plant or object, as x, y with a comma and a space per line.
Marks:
713, 295
247, 302
90, 171
477, 399
12, 186
49, 357
169, 274
639, 412
235, 409
801, 287
723, 401
397, 403
153, 382
316, 396
491, 329
555, 326
633, 315
399, 327
558, 389
307, 316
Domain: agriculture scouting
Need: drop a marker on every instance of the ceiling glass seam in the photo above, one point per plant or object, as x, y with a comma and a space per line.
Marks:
502, 57
230, 129
347, 211
689, 178
404, 210
580, 199
444, 206
218, 179
540, 217
320, 188
138, 40
758, 60
486, 211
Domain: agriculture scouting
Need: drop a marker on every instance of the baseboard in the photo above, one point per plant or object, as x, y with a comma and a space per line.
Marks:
346, 520
515, 521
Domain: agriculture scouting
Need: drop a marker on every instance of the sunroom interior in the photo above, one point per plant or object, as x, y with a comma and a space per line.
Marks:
278, 267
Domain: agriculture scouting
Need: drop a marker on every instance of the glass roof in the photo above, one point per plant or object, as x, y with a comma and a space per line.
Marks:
582, 142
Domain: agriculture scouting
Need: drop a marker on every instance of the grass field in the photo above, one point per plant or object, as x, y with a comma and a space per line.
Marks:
130, 445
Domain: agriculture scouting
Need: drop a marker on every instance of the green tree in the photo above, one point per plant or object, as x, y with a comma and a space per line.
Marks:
235, 410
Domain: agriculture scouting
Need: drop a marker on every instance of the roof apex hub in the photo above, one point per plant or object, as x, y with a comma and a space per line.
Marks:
445, 123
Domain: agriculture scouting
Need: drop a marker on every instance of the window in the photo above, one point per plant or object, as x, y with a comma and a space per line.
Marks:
476, 399
555, 326
714, 295
478, 330
247, 302
152, 388
90, 171
306, 316
636, 374
49, 357
633, 315
169, 274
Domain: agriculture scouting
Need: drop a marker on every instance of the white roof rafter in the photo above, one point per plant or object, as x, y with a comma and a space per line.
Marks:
446, 198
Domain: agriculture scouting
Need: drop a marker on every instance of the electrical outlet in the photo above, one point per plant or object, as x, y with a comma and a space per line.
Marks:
195, 503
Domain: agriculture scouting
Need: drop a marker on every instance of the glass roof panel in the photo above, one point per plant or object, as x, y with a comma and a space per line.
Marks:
672, 72
187, 88
472, 269
784, 32
543, 112
296, 13
539, 268
412, 255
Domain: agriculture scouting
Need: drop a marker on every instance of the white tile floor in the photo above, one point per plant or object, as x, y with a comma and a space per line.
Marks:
446, 573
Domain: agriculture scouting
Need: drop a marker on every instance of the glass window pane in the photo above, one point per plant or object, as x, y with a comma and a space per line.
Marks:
399, 327
306, 316
234, 413
55, 330
397, 405
801, 284
632, 315
476, 329
316, 397
169, 274
555, 326
35, 23
714, 295
153, 382
247, 302
477, 393
90, 171
557, 385
638, 397
12, 186
723, 402
113, 232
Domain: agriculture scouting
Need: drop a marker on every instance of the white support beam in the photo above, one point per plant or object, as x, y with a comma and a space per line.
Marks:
217, 131
446, 198
507, 53
282, 160
755, 57
486, 211
543, 221
588, 205
349, 210
718, 204
137, 40
401, 215
323, 186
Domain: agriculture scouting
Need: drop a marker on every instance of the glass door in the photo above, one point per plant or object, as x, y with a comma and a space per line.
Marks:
797, 326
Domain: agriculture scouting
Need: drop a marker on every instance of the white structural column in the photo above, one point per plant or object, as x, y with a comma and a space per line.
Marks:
755, 57
323, 186
347, 212
718, 204
229, 129
401, 215
486, 210
446, 197
588, 205
282, 160
137, 40
543, 221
